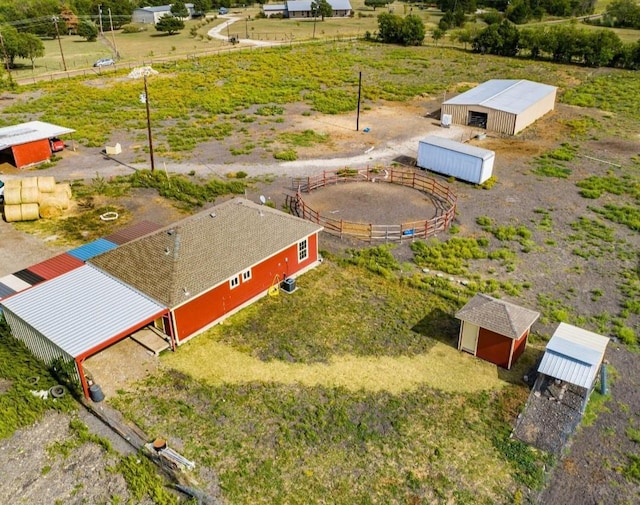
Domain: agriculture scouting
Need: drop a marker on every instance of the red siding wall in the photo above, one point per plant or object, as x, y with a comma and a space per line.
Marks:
494, 347
212, 305
519, 347
33, 152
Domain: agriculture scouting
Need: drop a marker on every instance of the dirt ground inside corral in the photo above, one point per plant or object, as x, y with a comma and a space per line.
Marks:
587, 474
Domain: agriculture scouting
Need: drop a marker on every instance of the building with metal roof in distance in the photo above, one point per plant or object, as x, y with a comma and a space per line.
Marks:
501, 105
151, 14
494, 330
297, 9
210, 265
28, 144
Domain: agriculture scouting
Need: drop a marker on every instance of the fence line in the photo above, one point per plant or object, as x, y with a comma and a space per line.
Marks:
375, 233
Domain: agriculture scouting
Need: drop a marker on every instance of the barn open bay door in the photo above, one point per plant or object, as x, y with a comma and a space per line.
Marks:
469, 340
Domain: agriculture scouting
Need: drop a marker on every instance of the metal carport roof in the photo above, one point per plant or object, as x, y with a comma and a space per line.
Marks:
30, 132
83, 310
574, 355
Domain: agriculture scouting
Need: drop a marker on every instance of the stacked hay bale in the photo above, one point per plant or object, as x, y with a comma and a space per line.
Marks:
33, 197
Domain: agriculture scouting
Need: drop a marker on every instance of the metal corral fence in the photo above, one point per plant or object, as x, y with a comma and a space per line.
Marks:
444, 199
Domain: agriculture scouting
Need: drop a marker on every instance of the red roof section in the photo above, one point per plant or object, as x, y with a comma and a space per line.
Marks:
56, 266
133, 232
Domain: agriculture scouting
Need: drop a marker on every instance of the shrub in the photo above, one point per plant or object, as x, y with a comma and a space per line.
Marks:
286, 155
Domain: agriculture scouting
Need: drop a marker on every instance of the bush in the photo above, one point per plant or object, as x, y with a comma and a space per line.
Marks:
286, 155
134, 28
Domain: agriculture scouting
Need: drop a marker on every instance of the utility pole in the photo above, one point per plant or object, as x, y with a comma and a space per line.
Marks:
359, 95
113, 35
6, 57
246, 25
55, 22
146, 101
100, 18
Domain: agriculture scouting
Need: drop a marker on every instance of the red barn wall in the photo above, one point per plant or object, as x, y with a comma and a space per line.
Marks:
33, 152
519, 347
494, 347
211, 305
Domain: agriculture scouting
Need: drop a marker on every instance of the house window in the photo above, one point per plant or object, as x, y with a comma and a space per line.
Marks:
303, 250
246, 275
234, 282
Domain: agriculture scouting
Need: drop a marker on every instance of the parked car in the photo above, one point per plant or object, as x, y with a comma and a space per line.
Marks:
104, 62
1, 192
56, 144
223, 10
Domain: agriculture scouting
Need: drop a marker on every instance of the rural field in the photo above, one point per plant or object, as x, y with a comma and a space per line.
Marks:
351, 389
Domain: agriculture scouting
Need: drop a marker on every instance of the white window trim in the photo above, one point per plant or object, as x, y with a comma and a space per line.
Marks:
234, 282
306, 249
246, 275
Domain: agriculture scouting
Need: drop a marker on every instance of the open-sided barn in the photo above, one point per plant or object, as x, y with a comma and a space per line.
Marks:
27, 144
501, 105
494, 330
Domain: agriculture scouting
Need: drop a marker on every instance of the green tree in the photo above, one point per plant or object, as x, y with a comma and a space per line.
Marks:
413, 32
88, 30
437, 34
623, 13
518, 12
376, 3
169, 24
321, 8
201, 6
30, 47
179, 9
389, 27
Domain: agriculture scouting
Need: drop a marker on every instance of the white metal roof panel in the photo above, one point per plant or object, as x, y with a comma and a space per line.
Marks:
15, 283
82, 309
567, 369
574, 355
30, 132
458, 147
504, 94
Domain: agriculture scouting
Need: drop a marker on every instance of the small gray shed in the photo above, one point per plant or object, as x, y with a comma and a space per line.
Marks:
462, 161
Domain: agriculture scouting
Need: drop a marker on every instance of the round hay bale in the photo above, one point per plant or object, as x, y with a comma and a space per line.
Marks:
29, 194
46, 184
12, 183
30, 211
53, 200
63, 188
12, 213
30, 182
13, 196
50, 211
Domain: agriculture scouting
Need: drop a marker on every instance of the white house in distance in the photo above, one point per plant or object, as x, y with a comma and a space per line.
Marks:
297, 9
151, 15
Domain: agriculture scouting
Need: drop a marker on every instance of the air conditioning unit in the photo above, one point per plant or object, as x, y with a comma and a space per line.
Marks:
445, 122
288, 285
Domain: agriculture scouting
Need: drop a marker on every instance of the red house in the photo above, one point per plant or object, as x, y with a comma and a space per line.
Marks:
214, 263
494, 330
28, 143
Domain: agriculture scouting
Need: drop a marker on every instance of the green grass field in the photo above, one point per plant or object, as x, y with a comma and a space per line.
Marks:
388, 415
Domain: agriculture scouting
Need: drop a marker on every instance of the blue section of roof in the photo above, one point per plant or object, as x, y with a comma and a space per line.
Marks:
92, 249
575, 351
5, 290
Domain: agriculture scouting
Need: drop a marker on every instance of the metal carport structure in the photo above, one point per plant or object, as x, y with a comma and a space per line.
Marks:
76, 315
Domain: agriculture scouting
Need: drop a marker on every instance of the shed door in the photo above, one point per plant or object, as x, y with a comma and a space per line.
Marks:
469, 341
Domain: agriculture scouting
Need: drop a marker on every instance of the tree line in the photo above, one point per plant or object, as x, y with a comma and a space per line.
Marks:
563, 43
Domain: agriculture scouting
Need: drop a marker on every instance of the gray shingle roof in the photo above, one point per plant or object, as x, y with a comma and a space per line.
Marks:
497, 315
180, 261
